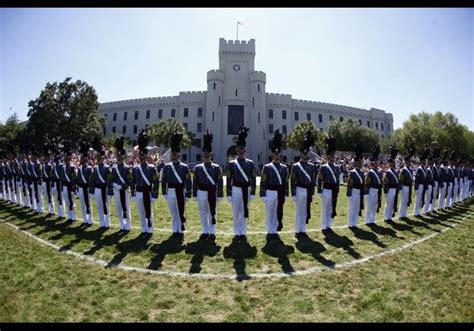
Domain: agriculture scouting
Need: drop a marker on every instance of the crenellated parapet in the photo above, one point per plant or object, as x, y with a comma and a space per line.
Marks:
257, 77
237, 46
215, 75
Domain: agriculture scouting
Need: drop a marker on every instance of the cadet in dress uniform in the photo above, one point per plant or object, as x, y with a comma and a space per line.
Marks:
121, 180
24, 182
429, 184
436, 179
3, 179
207, 188
144, 186
176, 186
420, 183
328, 186
355, 188
99, 182
241, 186
57, 167
47, 179
68, 184
274, 188
303, 182
35, 170
373, 188
17, 180
84, 172
391, 186
451, 181
443, 174
456, 181
26, 171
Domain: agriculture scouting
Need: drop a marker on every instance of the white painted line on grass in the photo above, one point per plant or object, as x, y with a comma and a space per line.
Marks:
234, 276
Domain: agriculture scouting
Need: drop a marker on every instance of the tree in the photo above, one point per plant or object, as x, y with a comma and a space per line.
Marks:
66, 111
9, 133
161, 133
349, 132
295, 138
109, 141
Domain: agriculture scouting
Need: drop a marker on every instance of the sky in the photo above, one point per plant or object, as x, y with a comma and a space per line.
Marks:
399, 60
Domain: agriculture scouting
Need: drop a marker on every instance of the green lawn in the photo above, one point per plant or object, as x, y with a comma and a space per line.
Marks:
416, 284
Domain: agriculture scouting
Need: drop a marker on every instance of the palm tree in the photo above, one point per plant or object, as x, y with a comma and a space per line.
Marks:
161, 133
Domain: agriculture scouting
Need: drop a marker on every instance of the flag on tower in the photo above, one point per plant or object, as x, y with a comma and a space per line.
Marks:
241, 23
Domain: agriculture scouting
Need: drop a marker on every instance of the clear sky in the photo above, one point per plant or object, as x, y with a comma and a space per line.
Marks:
400, 60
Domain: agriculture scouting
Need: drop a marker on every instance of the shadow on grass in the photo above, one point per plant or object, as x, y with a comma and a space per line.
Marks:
136, 244
276, 247
384, 231
366, 235
307, 245
100, 241
172, 245
239, 251
333, 239
199, 249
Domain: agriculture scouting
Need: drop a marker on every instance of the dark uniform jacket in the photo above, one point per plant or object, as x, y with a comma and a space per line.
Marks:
269, 178
200, 178
234, 175
169, 178
298, 178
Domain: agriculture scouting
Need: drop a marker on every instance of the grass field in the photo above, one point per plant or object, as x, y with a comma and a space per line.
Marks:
431, 281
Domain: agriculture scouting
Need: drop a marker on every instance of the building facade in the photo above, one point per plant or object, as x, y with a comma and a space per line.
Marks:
235, 96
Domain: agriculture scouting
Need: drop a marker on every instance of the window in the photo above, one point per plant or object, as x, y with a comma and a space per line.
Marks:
136, 114
185, 126
283, 129
124, 129
198, 157
381, 126
125, 116
186, 112
200, 112
263, 134
160, 113
105, 116
173, 112
219, 103
258, 117
360, 122
199, 127
213, 116
253, 102
197, 143
235, 92
330, 117
283, 114
214, 86
308, 116
146, 127
321, 129
235, 118
368, 124
270, 128
258, 87
135, 129
270, 113
184, 157
297, 116
148, 113
113, 129
341, 119
320, 116
383, 136
104, 130
388, 136
376, 125
388, 128
115, 117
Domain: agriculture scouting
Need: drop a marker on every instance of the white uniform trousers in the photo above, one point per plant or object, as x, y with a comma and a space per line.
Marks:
271, 205
71, 213
300, 204
18, 192
371, 206
38, 197
31, 194
104, 219
240, 222
428, 198
404, 192
24, 194
467, 184
142, 214
442, 196
87, 218
418, 198
461, 187
174, 211
124, 222
449, 195
455, 190
326, 209
59, 198
435, 193
45, 195
389, 203
3, 195
205, 213
354, 207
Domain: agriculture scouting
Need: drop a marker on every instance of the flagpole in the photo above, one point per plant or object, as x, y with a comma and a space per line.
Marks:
237, 31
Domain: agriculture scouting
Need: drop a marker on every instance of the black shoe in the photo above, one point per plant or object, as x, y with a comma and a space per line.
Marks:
243, 237
212, 237
203, 236
236, 238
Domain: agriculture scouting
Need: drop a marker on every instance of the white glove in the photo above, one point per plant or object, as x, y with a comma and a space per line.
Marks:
117, 186
153, 199
229, 198
219, 199
252, 197
134, 198
264, 199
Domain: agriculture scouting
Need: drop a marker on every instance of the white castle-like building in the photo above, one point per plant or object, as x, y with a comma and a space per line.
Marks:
235, 96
